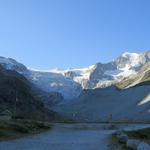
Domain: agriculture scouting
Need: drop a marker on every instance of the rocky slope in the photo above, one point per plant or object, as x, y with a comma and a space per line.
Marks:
16, 96
110, 104
142, 77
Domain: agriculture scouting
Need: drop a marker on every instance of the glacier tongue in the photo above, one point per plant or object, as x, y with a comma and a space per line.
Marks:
52, 82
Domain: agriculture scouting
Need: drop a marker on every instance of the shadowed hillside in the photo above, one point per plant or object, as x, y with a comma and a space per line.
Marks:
110, 104
16, 95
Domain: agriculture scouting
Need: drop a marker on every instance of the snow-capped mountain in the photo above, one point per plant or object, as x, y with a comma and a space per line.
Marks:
103, 75
46, 81
70, 82
12, 64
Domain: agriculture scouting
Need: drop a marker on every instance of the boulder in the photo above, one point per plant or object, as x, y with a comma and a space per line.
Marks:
133, 144
121, 136
143, 146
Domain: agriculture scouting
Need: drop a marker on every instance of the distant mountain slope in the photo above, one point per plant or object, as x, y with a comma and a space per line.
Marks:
46, 81
141, 78
17, 97
110, 104
51, 82
71, 82
104, 75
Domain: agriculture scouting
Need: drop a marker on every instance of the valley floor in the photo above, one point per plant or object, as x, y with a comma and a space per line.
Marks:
65, 137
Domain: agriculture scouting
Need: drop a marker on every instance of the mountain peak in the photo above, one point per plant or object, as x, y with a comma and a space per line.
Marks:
131, 55
130, 59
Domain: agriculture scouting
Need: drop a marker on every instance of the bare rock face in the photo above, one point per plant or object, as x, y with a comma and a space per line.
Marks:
137, 145
143, 146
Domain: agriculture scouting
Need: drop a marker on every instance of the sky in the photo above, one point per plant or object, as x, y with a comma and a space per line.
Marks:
48, 34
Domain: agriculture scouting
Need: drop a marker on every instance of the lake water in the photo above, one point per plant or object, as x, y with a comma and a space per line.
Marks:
65, 137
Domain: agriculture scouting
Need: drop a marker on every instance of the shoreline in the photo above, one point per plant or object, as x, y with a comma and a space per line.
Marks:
16, 129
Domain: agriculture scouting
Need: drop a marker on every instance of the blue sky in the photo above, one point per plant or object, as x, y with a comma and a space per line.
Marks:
47, 34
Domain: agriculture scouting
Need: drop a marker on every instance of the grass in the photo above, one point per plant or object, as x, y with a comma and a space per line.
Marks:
14, 129
142, 134
116, 145
145, 80
125, 83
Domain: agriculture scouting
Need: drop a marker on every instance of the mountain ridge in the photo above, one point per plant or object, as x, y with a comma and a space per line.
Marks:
71, 82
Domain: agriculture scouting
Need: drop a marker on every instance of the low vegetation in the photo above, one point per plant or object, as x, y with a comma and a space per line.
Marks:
13, 129
116, 145
126, 82
133, 139
142, 134
142, 78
